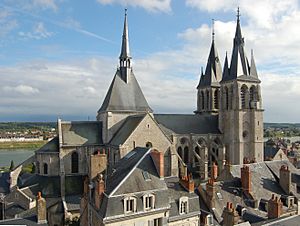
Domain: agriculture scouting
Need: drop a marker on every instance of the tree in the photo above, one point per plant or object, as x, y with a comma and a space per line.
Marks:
12, 165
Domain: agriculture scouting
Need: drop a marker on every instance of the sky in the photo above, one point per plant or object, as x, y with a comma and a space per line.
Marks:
58, 57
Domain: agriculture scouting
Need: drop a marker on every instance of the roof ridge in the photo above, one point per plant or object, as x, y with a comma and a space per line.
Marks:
130, 172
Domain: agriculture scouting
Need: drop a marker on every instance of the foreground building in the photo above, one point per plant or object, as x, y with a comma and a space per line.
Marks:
132, 166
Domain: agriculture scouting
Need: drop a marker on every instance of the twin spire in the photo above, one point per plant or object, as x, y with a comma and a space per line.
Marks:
239, 66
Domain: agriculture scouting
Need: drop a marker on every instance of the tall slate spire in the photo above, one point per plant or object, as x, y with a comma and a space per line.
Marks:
239, 65
125, 52
225, 69
125, 58
253, 71
124, 93
213, 71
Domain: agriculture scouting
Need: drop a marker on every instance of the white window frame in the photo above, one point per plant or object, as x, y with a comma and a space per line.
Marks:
128, 208
183, 205
148, 201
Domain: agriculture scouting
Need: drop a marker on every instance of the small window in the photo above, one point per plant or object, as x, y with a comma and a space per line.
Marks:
146, 176
157, 222
148, 201
183, 205
209, 220
45, 168
148, 145
129, 205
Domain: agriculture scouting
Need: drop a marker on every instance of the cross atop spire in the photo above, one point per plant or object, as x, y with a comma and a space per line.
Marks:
238, 15
213, 30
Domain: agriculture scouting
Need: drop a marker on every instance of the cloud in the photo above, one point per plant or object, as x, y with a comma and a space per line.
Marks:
150, 5
20, 89
39, 32
7, 22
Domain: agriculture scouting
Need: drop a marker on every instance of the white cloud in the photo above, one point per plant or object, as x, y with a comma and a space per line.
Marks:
44, 4
38, 32
20, 89
7, 22
150, 5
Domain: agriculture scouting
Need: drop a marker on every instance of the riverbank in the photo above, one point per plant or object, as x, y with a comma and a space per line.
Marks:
22, 145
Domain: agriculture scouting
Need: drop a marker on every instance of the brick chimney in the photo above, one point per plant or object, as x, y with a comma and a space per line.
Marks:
188, 183
214, 171
41, 209
99, 190
98, 163
158, 159
230, 215
274, 207
285, 179
246, 179
211, 193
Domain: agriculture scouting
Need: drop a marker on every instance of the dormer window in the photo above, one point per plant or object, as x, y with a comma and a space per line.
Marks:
129, 205
148, 201
183, 205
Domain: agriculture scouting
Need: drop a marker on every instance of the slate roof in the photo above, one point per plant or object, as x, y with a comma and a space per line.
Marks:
186, 124
126, 129
175, 191
81, 133
127, 178
49, 186
73, 202
51, 146
239, 66
4, 182
31, 221
213, 71
123, 170
122, 96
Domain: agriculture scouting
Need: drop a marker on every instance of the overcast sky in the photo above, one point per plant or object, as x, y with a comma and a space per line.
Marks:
58, 57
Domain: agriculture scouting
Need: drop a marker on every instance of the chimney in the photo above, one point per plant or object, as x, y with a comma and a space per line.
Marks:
158, 159
211, 193
246, 179
274, 207
214, 171
285, 179
99, 190
86, 186
188, 183
98, 163
41, 211
230, 215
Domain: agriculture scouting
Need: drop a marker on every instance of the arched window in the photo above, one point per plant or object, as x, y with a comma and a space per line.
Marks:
207, 99
216, 99
179, 151
186, 154
253, 94
202, 100
74, 162
244, 91
197, 150
226, 99
45, 168
230, 98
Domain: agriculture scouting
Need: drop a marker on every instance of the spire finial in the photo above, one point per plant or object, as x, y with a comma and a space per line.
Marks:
213, 29
125, 11
238, 15
252, 53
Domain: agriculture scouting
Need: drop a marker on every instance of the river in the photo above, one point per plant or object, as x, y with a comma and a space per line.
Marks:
17, 155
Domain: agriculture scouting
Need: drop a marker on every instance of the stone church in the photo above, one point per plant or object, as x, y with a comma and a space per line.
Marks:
226, 127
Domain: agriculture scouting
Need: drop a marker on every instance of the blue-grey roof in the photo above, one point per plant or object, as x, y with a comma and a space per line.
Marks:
31, 221
126, 129
186, 124
51, 146
4, 182
122, 96
81, 133
213, 71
